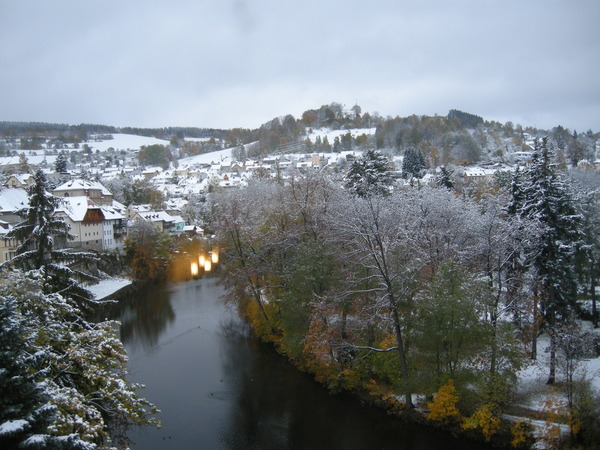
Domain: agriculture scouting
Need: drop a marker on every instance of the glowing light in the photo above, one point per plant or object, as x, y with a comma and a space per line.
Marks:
214, 257
207, 265
201, 260
194, 269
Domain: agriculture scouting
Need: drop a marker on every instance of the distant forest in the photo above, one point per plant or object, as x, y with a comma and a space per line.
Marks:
459, 138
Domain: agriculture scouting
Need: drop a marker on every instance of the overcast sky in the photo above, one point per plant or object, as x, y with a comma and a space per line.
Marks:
240, 63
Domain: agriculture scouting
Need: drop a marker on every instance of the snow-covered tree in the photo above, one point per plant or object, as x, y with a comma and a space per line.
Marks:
79, 367
24, 408
369, 230
241, 214
60, 165
573, 345
500, 239
413, 163
40, 234
588, 260
369, 175
544, 197
444, 178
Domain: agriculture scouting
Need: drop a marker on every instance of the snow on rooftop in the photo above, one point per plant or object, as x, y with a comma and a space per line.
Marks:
79, 183
75, 207
13, 199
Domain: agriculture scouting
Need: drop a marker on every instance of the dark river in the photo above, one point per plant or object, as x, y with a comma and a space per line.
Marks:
218, 388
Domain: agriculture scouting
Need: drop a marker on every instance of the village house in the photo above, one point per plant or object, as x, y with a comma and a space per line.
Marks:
114, 227
90, 189
162, 221
11, 202
479, 174
94, 217
85, 221
8, 247
19, 180
133, 209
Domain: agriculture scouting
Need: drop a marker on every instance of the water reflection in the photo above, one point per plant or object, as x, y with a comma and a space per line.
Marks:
220, 389
144, 315
273, 406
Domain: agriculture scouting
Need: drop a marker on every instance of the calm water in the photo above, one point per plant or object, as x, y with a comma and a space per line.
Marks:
219, 389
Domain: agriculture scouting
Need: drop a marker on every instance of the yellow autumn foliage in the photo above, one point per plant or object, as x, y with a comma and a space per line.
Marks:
443, 407
520, 434
484, 420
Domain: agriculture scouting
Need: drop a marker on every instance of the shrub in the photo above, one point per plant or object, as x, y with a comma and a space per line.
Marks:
484, 420
443, 407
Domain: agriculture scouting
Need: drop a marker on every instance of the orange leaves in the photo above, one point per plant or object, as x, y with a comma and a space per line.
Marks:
521, 434
443, 407
484, 420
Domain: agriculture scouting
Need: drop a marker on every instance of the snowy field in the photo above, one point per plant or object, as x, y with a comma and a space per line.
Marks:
218, 157
534, 394
532, 379
124, 142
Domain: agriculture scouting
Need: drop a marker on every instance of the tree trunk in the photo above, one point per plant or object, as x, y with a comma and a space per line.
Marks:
594, 310
494, 344
256, 295
552, 374
534, 328
403, 363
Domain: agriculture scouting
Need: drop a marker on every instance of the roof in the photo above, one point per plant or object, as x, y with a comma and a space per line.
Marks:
22, 177
112, 212
75, 207
156, 216
13, 199
79, 183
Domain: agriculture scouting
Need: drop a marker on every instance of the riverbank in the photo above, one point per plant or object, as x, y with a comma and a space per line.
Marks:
224, 389
110, 287
539, 416
530, 407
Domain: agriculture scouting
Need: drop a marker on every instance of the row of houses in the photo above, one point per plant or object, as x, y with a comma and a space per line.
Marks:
95, 219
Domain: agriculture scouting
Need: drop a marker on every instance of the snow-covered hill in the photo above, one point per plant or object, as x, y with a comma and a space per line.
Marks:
218, 157
124, 142
332, 134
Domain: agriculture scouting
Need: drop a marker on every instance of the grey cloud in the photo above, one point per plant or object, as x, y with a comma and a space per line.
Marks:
240, 63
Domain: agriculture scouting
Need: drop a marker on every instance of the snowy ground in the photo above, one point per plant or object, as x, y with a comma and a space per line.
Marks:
534, 394
107, 287
532, 379
218, 157
122, 141
332, 134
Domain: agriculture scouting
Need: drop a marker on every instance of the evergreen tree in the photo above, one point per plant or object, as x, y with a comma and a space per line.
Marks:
24, 411
337, 146
80, 392
444, 179
369, 175
39, 233
414, 162
60, 164
543, 196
